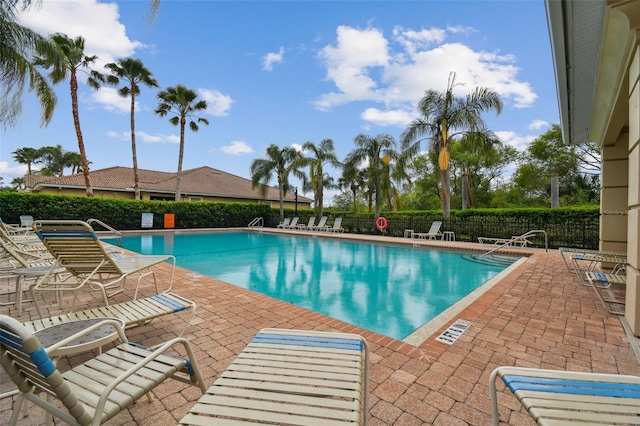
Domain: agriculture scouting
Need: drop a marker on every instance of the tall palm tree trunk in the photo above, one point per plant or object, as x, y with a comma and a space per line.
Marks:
281, 194
76, 123
136, 177
445, 200
180, 157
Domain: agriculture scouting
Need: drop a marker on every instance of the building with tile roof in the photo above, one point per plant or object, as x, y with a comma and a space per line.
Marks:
199, 184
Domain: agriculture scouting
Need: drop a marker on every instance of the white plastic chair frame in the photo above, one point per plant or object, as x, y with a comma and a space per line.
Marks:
98, 389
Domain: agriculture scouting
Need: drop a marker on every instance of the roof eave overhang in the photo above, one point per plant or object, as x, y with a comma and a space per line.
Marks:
575, 31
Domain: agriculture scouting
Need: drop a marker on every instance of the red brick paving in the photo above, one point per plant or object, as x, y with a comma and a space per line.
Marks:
537, 316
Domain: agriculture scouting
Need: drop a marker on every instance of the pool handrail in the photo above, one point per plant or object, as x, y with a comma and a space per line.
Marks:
118, 234
521, 238
258, 222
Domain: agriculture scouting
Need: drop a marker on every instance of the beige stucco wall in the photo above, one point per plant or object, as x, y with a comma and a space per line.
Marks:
632, 311
613, 199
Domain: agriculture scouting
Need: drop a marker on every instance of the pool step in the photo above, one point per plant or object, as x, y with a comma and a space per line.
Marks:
491, 259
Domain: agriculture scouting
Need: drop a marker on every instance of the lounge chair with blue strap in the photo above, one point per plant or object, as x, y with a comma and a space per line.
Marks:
290, 377
95, 391
611, 284
77, 249
75, 246
567, 397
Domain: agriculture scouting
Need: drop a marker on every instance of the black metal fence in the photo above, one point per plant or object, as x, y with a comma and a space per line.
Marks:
571, 232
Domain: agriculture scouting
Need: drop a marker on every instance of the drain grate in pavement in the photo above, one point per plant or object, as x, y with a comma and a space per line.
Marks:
453, 332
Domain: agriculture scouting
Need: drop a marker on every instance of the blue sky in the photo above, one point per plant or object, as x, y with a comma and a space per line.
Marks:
287, 72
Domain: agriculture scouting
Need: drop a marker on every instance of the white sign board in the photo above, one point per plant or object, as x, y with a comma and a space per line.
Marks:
147, 220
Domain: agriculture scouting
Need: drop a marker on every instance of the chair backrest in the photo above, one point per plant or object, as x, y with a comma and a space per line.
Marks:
294, 221
312, 220
26, 221
337, 224
435, 227
286, 221
30, 367
16, 256
8, 229
322, 222
76, 247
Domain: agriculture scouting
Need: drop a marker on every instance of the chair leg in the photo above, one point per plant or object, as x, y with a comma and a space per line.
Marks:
17, 405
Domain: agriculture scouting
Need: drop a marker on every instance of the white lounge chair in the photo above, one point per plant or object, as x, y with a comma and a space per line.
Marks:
308, 226
321, 224
76, 247
293, 224
290, 377
96, 390
21, 266
567, 397
26, 222
337, 226
284, 223
432, 234
605, 282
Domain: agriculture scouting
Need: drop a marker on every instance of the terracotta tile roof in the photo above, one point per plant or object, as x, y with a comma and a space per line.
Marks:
201, 181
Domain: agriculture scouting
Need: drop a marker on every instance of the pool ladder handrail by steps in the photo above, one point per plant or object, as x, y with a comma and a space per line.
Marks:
110, 233
258, 222
520, 238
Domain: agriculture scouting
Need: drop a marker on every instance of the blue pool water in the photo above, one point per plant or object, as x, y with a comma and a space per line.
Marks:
392, 290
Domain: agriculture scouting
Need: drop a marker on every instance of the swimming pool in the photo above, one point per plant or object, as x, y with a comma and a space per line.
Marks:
389, 289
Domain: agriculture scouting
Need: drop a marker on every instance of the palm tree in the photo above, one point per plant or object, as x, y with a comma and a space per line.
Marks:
26, 156
282, 161
17, 44
393, 177
75, 162
56, 159
482, 145
133, 72
322, 154
376, 152
352, 179
442, 117
65, 61
181, 101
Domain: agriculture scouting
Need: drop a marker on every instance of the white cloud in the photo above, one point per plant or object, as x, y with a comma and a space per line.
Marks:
460, 29
539, 124
218, 104
110, 100
144, 137
9, 173
412, 40
297, 147
519, 142
349, 63
236, 148
98, 23
362, 68
272, 58
386, 118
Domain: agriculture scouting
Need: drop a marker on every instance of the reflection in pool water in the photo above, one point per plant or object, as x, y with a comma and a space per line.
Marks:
392, 290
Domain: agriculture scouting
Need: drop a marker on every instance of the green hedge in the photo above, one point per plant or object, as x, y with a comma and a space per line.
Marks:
570, 227
127, 214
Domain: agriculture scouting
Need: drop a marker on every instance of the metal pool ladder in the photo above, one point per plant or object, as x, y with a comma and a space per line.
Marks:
258, 222
520, 239
112, 233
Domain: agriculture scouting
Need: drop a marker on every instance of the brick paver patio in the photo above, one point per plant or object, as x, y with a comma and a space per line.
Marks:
539, 315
